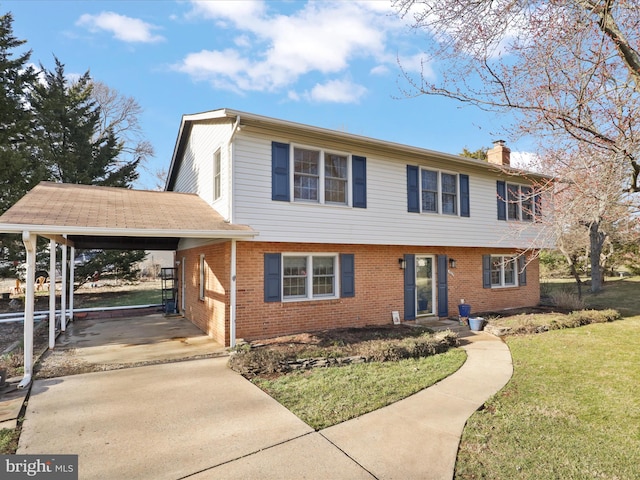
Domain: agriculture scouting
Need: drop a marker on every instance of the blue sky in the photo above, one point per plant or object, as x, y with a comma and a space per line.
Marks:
328, 64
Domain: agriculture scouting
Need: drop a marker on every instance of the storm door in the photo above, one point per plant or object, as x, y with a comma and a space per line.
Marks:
425, 293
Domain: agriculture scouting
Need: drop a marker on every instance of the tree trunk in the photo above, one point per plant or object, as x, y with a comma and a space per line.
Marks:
596, 241
576, 275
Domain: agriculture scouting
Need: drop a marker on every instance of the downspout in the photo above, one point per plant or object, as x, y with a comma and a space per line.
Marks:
52, 293
232, 294
232, 297
29, 241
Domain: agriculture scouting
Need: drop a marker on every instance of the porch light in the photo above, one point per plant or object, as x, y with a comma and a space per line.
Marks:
452, 263
402, 263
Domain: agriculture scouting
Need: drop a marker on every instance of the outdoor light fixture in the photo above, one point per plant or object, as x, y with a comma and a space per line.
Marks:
402, 263
452, 263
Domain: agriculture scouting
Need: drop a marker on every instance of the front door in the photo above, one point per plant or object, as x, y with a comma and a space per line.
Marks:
425, 293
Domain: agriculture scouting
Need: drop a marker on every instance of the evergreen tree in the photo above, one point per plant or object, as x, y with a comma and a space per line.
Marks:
19, 169
70, 141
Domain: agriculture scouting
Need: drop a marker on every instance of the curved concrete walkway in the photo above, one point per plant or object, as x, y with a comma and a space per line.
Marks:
199, 420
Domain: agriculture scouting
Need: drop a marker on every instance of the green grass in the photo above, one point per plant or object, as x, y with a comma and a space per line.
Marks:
118, 299
326, 396
8, 441
572, 408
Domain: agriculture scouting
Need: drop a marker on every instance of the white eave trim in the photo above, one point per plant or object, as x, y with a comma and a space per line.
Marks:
124, 232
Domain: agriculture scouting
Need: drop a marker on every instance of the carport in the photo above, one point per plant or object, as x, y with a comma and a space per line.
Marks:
96, 217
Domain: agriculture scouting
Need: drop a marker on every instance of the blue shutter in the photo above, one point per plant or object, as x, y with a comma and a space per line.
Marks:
272, 276
413, 189
486, 271
410, 287
279, 171
347, 275
537, 208
464, 196
522, 270
443, 294
359, 175
502, 200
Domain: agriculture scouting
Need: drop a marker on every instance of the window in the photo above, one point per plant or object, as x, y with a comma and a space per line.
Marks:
308, 276
439, 192
503, 271
217, 168
313, 175
320, 177
201, 277
520, 203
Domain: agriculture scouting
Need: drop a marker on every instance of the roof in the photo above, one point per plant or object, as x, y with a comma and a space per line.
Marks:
110, 217
245, 120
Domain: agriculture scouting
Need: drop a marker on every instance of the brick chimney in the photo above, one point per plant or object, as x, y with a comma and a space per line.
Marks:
499, 154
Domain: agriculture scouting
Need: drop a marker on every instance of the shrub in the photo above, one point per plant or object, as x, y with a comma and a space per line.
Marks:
567, 298
250, 362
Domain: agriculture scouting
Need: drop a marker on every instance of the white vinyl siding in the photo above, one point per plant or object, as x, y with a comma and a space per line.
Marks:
385, 220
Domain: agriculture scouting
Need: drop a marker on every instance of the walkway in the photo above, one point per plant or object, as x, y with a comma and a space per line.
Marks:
198, 419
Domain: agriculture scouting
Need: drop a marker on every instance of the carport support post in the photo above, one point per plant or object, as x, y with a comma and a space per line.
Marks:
52, 293
72, 272
63, 294
29, 241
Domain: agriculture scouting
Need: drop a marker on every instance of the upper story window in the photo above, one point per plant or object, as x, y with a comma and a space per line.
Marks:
520, 204
439, 192
517, 202
314, 175
320, 176
217, 173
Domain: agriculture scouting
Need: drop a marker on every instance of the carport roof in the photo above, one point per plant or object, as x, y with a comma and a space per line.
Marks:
109, 217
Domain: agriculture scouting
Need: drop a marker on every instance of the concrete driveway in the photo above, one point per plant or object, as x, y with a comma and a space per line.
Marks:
172, 421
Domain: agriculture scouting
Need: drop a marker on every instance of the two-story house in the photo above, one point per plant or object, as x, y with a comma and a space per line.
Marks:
349, 229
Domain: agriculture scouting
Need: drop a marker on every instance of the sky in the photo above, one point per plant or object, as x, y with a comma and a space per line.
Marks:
329, 64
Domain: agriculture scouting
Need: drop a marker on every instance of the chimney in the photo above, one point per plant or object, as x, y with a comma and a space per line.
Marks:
499, 154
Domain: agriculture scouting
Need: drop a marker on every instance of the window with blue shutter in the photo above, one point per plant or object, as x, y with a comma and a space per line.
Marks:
359, 178
280, 171
410, 287
413, 189
347, 275
272, 277
464, 196
443, 295
501, 195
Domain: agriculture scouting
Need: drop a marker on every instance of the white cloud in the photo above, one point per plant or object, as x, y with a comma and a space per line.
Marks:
272, 51
526, 161
123, 28
337, 91
379, 70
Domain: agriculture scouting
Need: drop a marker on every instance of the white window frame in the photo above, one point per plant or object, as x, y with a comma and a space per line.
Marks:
201, 277
321, 176
521, 214
504, 259
309, 277
440, 193
217, 174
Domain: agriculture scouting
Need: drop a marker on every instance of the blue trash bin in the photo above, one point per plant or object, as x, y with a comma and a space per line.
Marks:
464, 310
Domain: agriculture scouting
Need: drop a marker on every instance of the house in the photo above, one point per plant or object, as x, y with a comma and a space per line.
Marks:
347, 229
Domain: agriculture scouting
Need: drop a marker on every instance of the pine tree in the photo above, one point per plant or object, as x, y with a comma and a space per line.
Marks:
20, 171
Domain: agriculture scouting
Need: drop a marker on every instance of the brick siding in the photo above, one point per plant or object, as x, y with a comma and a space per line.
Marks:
379, 289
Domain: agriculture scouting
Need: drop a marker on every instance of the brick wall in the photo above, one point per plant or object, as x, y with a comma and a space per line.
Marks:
378, 285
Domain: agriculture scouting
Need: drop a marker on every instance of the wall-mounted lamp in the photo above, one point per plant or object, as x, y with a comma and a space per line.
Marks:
452, 263
402, 263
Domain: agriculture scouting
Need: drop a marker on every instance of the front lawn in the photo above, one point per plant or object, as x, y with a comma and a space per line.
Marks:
572, 408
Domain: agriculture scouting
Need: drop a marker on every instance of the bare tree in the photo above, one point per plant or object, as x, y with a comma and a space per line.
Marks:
570, 69
121, 115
